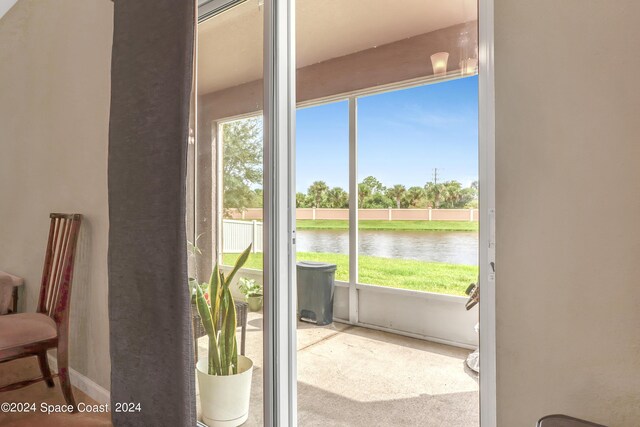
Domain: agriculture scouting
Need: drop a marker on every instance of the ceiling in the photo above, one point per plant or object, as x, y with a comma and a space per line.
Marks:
230, 44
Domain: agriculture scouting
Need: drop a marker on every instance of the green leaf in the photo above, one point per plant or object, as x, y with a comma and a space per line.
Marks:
219, 320
222, 341
234, 357
204, 312
239, 263
214, 360
207, 323
214, 295
229, 327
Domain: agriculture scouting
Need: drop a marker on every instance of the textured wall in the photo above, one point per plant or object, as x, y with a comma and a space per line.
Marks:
567, 133
54, 112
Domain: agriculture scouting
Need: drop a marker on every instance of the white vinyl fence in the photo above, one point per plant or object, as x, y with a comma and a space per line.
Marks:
237, 235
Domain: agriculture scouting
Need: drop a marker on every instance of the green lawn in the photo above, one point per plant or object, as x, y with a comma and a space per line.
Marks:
395, 273
336, 224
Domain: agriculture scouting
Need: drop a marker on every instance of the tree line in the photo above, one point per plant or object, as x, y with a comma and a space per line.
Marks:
372, 194
242, 181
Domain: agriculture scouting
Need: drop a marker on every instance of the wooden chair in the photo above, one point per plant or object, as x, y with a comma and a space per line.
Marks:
32, 334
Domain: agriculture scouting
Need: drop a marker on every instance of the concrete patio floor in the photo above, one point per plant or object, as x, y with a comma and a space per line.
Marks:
354, 376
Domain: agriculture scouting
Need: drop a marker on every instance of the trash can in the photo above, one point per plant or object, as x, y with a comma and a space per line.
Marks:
316, 281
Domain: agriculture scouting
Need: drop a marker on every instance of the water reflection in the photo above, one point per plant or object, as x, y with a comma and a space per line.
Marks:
450, 247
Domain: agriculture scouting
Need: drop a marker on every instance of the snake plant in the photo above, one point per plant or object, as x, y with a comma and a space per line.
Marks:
219, 319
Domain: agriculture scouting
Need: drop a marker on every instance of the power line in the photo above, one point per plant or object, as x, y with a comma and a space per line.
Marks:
435, 175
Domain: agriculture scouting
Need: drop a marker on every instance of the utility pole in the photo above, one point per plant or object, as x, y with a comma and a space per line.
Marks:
435, 176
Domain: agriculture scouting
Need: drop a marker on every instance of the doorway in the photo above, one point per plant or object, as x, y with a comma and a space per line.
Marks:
281, 215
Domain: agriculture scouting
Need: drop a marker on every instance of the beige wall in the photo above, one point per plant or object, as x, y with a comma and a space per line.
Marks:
568, 136
54, 109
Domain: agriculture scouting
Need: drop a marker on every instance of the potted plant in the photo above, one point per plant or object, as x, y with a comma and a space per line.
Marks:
224, 378
252, 292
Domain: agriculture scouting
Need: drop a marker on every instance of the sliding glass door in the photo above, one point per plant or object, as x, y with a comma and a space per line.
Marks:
340, 141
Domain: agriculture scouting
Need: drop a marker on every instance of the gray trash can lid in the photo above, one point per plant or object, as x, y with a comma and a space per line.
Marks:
317, 266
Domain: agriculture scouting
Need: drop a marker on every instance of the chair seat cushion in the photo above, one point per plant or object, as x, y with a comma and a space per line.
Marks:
17, 330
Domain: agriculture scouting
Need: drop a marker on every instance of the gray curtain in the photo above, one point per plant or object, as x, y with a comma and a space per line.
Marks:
149, 304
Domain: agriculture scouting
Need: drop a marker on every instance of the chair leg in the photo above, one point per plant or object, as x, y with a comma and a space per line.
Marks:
44, 368
63, 374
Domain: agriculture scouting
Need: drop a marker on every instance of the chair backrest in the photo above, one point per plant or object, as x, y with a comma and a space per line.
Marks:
55, 290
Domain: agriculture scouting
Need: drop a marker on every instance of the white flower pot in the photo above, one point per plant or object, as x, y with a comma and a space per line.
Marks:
224, 400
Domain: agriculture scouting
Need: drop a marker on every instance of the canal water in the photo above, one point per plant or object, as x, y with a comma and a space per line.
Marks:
452, 247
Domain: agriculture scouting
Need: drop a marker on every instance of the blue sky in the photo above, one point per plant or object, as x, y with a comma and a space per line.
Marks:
402, 136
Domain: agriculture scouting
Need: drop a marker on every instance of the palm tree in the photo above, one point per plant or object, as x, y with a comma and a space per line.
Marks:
415, 197
337, 198
435, 193
453, 194
317, 193
396, 192
364, 191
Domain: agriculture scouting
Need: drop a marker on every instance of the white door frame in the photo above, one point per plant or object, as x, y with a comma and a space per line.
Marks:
280, 372
487, 179
353, 210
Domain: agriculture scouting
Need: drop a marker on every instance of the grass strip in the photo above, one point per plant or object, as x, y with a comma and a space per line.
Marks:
436, 277
336, 224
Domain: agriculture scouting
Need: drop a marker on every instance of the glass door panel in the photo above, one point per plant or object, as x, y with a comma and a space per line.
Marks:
394, 354
322, 181
386, 141
228, 195
418, 200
